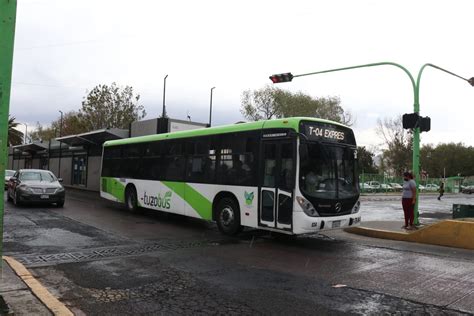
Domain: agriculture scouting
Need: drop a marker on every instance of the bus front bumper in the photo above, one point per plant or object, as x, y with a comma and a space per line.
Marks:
304, 224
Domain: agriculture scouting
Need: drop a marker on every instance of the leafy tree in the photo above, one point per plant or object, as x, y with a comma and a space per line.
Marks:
42, 133
270, 102
398, 142
111, 106
15, 137
300, 104
366, 160
260, 104
451, 158
72, 124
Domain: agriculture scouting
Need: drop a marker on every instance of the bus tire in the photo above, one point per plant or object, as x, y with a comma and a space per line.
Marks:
131, 200
228, 216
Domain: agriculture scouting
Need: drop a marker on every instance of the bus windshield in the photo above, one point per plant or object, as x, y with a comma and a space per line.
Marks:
328, 172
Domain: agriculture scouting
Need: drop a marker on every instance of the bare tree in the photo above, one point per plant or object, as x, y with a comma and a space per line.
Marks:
398, 143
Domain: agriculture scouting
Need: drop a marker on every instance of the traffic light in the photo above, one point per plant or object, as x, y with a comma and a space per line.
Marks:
410, 120
413, 120
425, 124
286, 77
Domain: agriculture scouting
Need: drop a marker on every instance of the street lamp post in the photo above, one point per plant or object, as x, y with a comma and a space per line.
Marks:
210, 108
164, 97
286, 77
60, 143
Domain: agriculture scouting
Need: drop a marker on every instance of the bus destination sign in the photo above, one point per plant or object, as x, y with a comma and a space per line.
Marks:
328, 132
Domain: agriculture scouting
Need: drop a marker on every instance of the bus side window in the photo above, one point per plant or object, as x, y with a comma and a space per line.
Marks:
152, 161
287, 174
173, 166
269, 165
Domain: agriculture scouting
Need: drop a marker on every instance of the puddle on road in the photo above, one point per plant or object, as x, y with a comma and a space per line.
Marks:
431, 210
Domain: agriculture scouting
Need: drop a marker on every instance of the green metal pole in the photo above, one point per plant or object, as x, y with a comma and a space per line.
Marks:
412, 80
416, 135
7, 35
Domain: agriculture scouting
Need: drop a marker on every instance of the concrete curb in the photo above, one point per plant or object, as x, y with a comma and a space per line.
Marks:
51, 302
451, 233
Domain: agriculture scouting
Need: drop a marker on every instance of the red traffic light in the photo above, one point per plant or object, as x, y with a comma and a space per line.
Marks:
286, 77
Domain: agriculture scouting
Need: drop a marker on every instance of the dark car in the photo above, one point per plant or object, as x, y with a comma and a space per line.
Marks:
35, 186
468, 189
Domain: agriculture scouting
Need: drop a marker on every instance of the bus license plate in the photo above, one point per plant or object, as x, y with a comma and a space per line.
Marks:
336, 224
44, 196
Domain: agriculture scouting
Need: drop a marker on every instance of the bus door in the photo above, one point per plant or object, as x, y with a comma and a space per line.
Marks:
277, 184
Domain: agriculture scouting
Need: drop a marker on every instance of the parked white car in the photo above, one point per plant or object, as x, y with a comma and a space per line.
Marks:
380, 187
432, 187
396, 187
366, 187
385, 187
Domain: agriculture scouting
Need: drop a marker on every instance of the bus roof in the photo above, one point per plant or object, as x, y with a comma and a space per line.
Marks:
291, 122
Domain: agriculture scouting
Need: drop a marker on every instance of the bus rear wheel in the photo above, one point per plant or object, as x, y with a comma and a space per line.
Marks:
131, 201
228, 216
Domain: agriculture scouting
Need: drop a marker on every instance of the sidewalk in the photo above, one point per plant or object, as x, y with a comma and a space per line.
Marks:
18, 295
452, 233
24, 295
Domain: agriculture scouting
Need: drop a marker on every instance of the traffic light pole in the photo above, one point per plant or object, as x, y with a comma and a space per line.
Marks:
7, 35
416, 131
416, 106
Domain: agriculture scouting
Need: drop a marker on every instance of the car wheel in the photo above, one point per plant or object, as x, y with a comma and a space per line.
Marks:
228, 217
60, 204
16, 199
131, 201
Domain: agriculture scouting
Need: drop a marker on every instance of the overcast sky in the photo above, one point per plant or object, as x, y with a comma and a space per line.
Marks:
65, 47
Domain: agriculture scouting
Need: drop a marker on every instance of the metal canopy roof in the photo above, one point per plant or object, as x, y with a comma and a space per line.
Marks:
97, 137
31, 147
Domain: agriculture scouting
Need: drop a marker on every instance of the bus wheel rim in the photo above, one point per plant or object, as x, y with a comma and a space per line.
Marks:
227, 216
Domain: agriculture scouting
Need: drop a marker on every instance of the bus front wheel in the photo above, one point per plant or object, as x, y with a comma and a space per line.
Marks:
131, 201
228, 216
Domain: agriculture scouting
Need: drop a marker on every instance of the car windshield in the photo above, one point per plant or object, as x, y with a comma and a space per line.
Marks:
328, 172
9, 173
37, 176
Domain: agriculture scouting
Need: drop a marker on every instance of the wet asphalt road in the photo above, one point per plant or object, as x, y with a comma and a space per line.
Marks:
100, 260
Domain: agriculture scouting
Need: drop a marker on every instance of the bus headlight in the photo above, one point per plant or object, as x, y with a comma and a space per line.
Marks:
307, 207
356, 208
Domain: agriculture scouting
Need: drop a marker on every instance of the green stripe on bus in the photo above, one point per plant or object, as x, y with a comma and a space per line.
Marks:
114, 187
290, 122
195, 199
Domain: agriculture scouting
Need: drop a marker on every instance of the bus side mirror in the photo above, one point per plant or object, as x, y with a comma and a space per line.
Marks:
303, 151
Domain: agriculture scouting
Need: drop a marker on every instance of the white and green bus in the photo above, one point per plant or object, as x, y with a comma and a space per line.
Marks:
293, 175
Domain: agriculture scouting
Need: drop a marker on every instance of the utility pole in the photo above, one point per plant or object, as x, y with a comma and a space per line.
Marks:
60, 143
